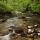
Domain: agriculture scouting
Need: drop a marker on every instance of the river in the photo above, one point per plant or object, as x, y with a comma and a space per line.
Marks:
23, 23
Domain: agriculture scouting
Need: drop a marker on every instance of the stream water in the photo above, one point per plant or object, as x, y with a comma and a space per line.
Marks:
23, 23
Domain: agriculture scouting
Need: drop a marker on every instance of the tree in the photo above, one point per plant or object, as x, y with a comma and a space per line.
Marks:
21, 5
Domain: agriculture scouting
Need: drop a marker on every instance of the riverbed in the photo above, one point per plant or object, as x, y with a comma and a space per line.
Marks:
18, 22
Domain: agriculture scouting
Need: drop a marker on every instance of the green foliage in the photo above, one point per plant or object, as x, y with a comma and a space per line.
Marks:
20, 5
35, 7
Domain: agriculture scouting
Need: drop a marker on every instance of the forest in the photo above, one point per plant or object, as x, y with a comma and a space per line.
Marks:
19, 19
20, 5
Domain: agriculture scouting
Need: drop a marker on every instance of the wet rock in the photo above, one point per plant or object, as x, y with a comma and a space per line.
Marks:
17, 30
38, 34
30, 31
30, 27
36, 26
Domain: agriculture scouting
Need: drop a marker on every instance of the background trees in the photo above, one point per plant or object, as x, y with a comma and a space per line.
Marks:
20, 5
